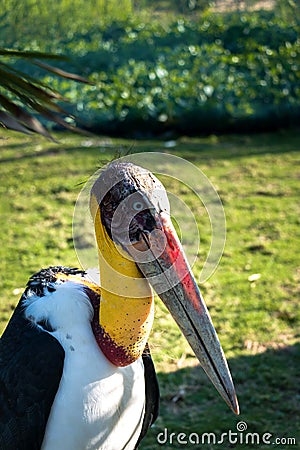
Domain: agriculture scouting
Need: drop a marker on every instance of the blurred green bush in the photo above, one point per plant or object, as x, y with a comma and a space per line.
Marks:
217, 73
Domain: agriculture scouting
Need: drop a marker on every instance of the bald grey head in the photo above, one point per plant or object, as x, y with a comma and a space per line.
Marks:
131, 199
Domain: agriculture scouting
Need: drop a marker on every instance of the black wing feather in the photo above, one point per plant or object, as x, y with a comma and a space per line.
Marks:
152, 394
31, 365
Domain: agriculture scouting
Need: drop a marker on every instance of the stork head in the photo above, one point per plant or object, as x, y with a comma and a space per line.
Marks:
138, 248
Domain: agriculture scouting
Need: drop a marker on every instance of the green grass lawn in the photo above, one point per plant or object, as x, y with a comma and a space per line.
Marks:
257, 178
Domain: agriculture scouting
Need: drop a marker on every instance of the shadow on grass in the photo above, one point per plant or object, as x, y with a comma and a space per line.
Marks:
243, 145
21, 155
267, 386
194, 149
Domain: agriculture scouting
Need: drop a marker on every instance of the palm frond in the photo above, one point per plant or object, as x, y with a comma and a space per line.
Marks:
22, 96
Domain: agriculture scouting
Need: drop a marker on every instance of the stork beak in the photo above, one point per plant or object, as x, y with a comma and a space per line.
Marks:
169, 273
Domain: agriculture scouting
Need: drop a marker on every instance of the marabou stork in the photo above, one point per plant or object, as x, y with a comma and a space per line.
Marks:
75, 368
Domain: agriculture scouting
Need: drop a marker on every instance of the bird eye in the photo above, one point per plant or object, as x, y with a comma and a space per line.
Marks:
138, 206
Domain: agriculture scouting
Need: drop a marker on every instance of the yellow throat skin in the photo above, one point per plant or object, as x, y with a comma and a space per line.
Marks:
126, 306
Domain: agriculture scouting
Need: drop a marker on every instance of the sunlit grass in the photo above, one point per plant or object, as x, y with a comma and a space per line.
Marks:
257, 318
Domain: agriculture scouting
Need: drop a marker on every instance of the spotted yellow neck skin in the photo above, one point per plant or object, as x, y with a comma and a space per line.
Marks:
126, 307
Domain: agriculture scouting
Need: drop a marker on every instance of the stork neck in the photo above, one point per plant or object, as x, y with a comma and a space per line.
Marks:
126, 307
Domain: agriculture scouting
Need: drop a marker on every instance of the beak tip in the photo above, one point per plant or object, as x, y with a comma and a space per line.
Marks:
234, 405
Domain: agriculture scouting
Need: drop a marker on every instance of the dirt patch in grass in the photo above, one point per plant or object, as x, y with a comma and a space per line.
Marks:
234, 5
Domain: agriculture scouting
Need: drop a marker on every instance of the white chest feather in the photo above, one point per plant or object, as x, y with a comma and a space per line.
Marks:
98, 405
